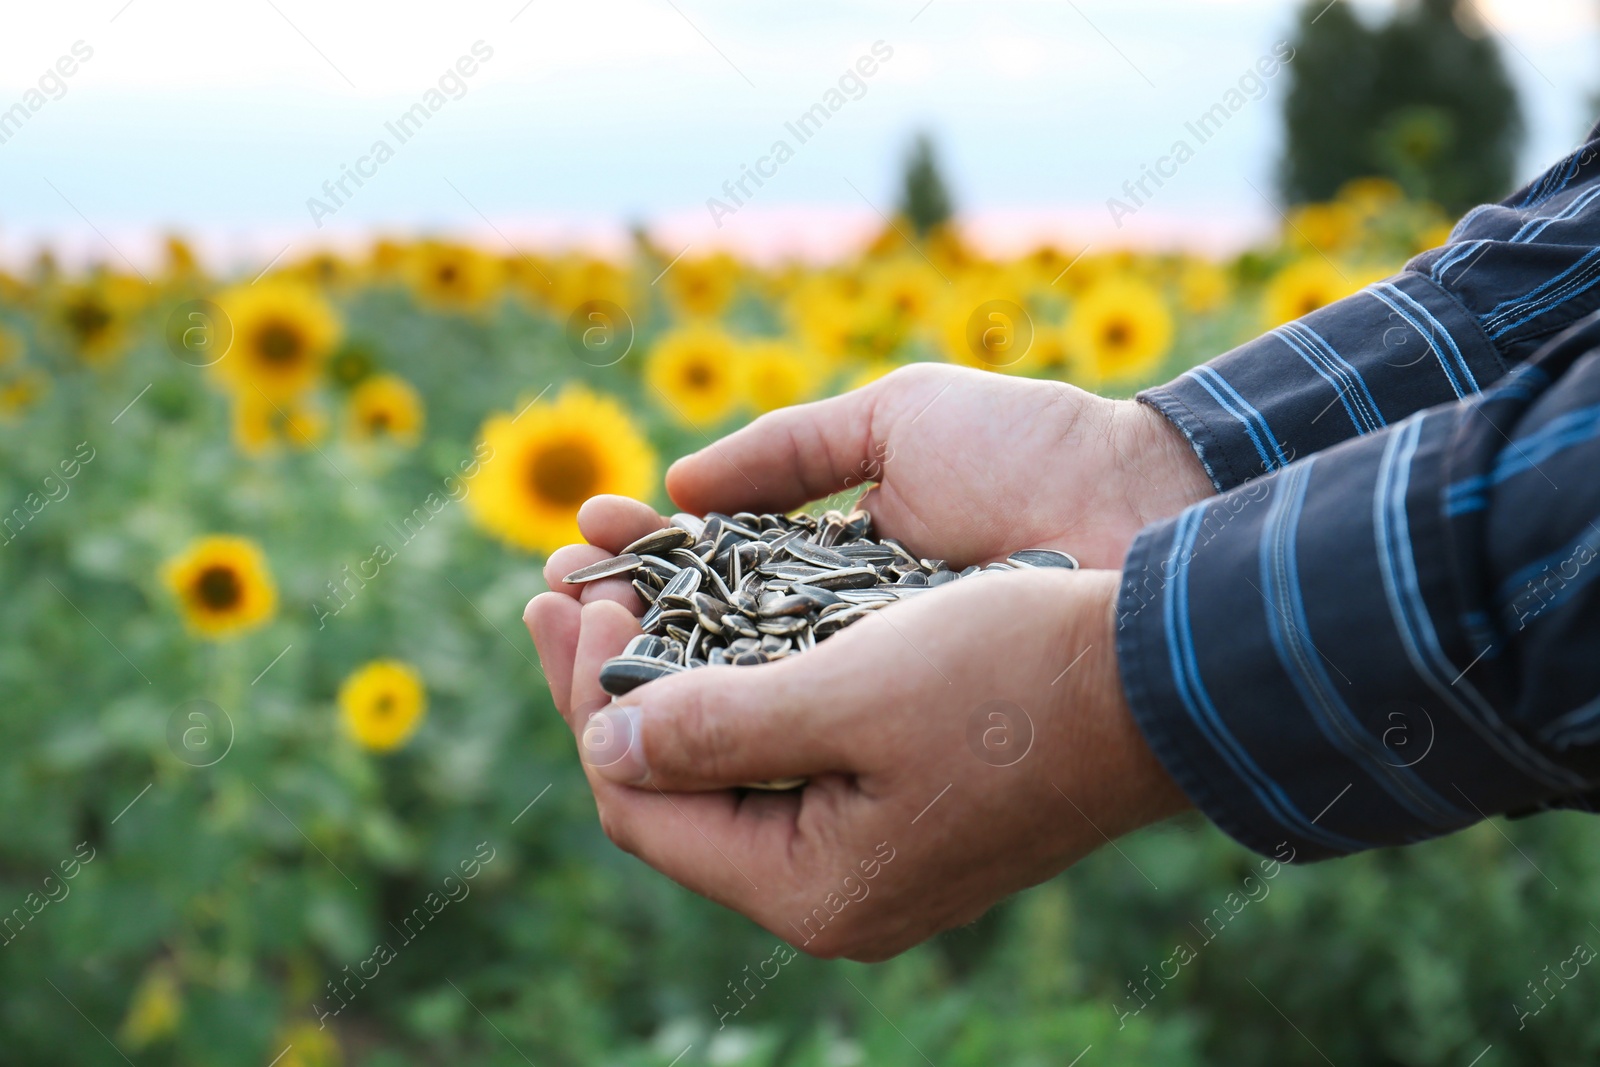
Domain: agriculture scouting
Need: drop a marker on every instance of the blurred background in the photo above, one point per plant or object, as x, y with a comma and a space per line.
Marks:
316, 324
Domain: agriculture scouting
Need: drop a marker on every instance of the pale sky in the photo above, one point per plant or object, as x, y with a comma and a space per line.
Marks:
221, 120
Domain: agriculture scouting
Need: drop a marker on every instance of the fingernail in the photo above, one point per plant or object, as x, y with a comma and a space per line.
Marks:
613, 744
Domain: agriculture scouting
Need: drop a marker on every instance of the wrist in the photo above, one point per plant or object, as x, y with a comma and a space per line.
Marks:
1135, 787
1160, 461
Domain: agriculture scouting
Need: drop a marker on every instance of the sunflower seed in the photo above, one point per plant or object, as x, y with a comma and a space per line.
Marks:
693, 523
622, 674
683, 584
606, 568
1043, 557
660, 542
747, 589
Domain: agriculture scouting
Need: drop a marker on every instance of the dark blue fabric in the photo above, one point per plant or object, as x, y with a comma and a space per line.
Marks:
1388, 626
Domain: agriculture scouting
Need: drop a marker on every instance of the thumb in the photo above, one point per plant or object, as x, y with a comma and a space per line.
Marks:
720, 727
783, 459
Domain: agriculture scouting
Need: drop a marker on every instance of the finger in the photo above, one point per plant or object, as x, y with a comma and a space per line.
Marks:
717, 727
614, 522
616, 590
566, 559
781, 460
552, 621
701, 841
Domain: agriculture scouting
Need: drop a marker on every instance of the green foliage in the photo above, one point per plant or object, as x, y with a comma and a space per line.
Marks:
924, 198
1423, 98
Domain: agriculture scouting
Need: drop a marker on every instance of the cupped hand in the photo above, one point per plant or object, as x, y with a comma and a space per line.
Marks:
959, 747
970, 465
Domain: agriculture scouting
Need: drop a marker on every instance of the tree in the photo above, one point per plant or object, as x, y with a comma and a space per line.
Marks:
924, 199
1423, 99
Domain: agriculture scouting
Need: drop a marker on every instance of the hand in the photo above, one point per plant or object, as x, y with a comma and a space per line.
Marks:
970, 465
910, 823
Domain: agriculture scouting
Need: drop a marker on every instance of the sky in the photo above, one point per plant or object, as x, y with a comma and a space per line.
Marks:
223, 121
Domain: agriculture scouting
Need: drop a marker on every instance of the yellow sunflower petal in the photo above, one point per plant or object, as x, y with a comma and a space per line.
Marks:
539, 466
222, 585
382, 704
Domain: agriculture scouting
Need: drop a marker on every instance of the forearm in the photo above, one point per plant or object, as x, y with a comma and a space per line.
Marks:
1360, 650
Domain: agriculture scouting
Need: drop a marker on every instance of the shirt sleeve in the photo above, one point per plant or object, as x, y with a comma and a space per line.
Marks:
1390, 639
1449, 325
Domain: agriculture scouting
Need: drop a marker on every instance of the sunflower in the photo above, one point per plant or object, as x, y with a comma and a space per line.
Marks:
1202, 286
773, 375
1325, 227
904, 290
21, 390
1120, 328
1301, 288
11, 346
695, 373
826, 314
282, 334
386, 407
1051, 356
703, 288
1370, 196
223, 586
386, 258
451, 276
261, 424
93, 321
550, 458
576, 280
353, 362
308, 1045
155, 1008
182, 263
382, 704
324, 270
986, 326
867, 374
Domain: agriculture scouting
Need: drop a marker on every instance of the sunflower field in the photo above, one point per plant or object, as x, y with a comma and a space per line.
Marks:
282, 783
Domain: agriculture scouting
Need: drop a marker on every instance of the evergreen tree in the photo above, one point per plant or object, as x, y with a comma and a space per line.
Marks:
925, 199
1423, 98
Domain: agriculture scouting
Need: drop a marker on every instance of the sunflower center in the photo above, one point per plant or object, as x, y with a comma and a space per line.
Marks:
279, 344
447, 274
1116, 334
88, 319
1310, 302
378, 420
383, 707
697, 375
565, 473
218, 588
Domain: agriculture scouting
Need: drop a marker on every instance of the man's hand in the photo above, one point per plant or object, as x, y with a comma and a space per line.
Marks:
969, 465
960, 746
931, 693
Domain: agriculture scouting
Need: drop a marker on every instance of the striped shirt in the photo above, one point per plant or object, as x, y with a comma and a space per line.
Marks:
1387, 626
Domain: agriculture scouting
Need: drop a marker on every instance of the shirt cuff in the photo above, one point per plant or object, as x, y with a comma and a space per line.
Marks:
1342, 371
1291, 658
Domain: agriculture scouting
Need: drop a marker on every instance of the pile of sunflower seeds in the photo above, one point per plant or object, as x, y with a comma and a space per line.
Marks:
748, 589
